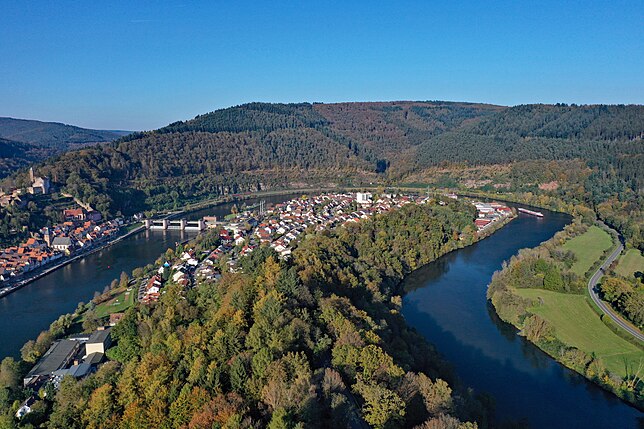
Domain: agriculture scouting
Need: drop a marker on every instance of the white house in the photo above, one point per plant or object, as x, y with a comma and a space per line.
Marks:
363, 197
25, 407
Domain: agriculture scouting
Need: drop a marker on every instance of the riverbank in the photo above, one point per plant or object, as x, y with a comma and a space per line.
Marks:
44, 271
431, 230
445, 301
209, 203
541, 293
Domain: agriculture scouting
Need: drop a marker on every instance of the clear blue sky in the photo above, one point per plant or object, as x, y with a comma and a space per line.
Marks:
142, 64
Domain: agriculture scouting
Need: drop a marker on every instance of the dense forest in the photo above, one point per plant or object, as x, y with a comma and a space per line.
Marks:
14, 155
316, 341
23, 141
53, 134
261, 146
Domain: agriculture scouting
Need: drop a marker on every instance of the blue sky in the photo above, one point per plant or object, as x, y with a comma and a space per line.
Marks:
143, 64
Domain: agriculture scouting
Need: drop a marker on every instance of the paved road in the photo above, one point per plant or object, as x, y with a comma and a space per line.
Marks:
592, 284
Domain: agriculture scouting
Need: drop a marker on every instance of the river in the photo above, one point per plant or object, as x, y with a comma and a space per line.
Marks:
446, 303
30, 310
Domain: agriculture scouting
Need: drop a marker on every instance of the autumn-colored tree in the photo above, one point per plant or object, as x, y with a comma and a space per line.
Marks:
99, 413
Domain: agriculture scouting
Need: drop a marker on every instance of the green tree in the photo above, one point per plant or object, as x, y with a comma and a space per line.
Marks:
9, 373
383, 408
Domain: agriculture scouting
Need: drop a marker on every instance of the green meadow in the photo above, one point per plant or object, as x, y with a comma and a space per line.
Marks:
576, 324
630, 263
588, 248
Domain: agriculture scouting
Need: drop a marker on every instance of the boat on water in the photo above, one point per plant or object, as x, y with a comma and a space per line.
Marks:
530, 212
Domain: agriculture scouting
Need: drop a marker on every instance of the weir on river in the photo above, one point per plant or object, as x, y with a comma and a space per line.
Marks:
445, 302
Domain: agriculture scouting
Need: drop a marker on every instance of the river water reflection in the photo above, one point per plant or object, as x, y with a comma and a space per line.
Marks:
30, 310
446, 303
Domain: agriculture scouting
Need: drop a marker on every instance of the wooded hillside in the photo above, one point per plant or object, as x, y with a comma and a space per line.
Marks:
262, 146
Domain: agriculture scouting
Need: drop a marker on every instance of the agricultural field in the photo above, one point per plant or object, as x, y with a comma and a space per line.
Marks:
630, 263
578, 325
588, 248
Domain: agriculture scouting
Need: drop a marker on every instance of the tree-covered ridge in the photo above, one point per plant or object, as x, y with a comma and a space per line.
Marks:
155, 156
252, 117
560, 121
605, 136
14, 155
23, 141
387, 128
52, 134
198, 165
317, 341
260, 146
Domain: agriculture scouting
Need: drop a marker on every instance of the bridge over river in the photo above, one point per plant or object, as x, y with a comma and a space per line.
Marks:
178, 224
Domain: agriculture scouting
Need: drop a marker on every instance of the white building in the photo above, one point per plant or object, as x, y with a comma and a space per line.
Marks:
363, 197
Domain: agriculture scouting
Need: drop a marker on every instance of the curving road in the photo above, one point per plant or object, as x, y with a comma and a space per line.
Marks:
592, 284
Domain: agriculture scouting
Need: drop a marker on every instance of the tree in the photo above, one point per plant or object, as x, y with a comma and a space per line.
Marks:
100, 408
138, 272
126, 335
536, 328
9, 373
375, 363
66, 412
91, 321
238, 375
383, 408
28, 352
124, 280
614, 289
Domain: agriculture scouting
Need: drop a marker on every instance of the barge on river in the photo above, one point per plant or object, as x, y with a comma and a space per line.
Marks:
530, 212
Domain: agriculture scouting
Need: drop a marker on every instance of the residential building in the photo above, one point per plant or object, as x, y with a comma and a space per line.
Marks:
98, 342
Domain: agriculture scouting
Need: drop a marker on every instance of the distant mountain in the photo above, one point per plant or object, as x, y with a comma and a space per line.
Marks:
14, 155
53, 134
260, 145
25, 141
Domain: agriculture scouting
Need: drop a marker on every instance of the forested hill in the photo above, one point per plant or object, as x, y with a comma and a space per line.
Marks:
260, 145
53, 134
14, 155
251, 147
24, 141
541, 132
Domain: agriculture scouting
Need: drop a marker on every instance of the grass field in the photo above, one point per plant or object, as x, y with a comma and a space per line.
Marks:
629, 263
133, 226
576, 324
120, 301
588, 248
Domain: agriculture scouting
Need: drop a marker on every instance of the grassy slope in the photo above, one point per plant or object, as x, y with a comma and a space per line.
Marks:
588, 248
631, 262
118, 303
578, 325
